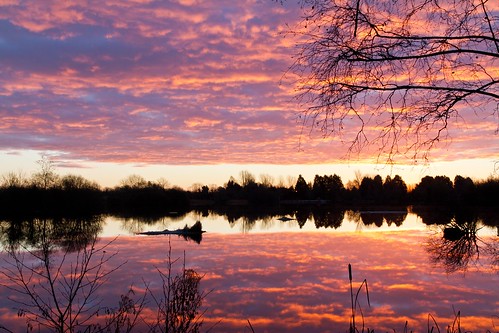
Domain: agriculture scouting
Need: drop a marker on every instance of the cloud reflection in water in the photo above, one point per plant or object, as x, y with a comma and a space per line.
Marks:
298, 282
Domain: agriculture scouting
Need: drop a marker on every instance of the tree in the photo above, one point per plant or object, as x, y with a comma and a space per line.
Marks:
302, 189
46, 177
371, 189
134, 181
394, 190
57, 289
430, 190
328, 187
14, 180
76, 182
163, 182
179, 300
395, 73
464, 189
232, 185
247, 178
319, 187
267, 180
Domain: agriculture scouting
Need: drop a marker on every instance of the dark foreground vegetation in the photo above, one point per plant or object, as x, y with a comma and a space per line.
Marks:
57, 291
47, 193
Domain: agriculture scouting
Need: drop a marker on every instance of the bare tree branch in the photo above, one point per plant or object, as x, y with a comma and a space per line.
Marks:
396, 72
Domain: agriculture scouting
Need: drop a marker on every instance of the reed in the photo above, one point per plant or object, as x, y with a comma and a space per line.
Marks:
432, 325
355, 305
356, 312
250, 327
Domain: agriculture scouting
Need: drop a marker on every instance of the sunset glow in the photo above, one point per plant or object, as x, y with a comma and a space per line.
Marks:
121, 87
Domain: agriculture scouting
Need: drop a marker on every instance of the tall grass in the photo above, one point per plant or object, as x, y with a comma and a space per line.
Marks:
355, 305
356, 310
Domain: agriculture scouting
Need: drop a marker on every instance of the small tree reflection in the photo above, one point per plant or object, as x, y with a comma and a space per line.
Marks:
459, 246
54, 287
331, 218
71, 234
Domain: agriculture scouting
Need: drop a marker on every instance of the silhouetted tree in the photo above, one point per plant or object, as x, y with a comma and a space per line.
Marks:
267, 180
134, 181
233, 186
247, 178
178, 302
405, 68
488, 191
328, 187
46, 177
371, 189
464, 190
75, 182
430, 190
14, 180
302, 189
59, 292
147, 199
394, 190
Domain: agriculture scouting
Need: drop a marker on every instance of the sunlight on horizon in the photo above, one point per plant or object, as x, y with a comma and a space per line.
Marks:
110, 174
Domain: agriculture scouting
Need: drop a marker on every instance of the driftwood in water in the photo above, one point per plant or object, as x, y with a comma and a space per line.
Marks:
285, 219
195, 232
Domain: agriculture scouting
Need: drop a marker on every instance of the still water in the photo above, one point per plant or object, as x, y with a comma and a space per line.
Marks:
290, 276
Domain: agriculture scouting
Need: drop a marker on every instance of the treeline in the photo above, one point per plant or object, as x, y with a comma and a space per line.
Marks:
74, 195
48, 193
330, 189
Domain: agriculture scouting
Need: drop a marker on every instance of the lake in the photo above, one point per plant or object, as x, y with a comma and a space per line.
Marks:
292, 276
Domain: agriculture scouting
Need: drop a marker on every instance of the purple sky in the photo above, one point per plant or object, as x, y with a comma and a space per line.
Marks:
169, 83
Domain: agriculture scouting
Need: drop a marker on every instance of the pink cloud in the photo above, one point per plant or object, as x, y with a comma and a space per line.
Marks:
176, 82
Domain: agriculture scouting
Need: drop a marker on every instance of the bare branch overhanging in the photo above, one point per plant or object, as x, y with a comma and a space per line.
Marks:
403, 67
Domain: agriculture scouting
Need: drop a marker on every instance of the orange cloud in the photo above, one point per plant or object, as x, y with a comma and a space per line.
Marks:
175, 82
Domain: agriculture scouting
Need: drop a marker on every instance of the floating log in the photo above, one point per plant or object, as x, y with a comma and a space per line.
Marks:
195, 232
285, 218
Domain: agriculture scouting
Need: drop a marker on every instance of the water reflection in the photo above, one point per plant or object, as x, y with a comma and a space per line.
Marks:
136, 224
55, 288
70, 234
297, 281
378, 218
459, 246
331, 218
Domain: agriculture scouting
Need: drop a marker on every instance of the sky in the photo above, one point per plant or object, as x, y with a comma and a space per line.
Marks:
186, 90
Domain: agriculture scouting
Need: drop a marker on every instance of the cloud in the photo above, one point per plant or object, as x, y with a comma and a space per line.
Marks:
171, 82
